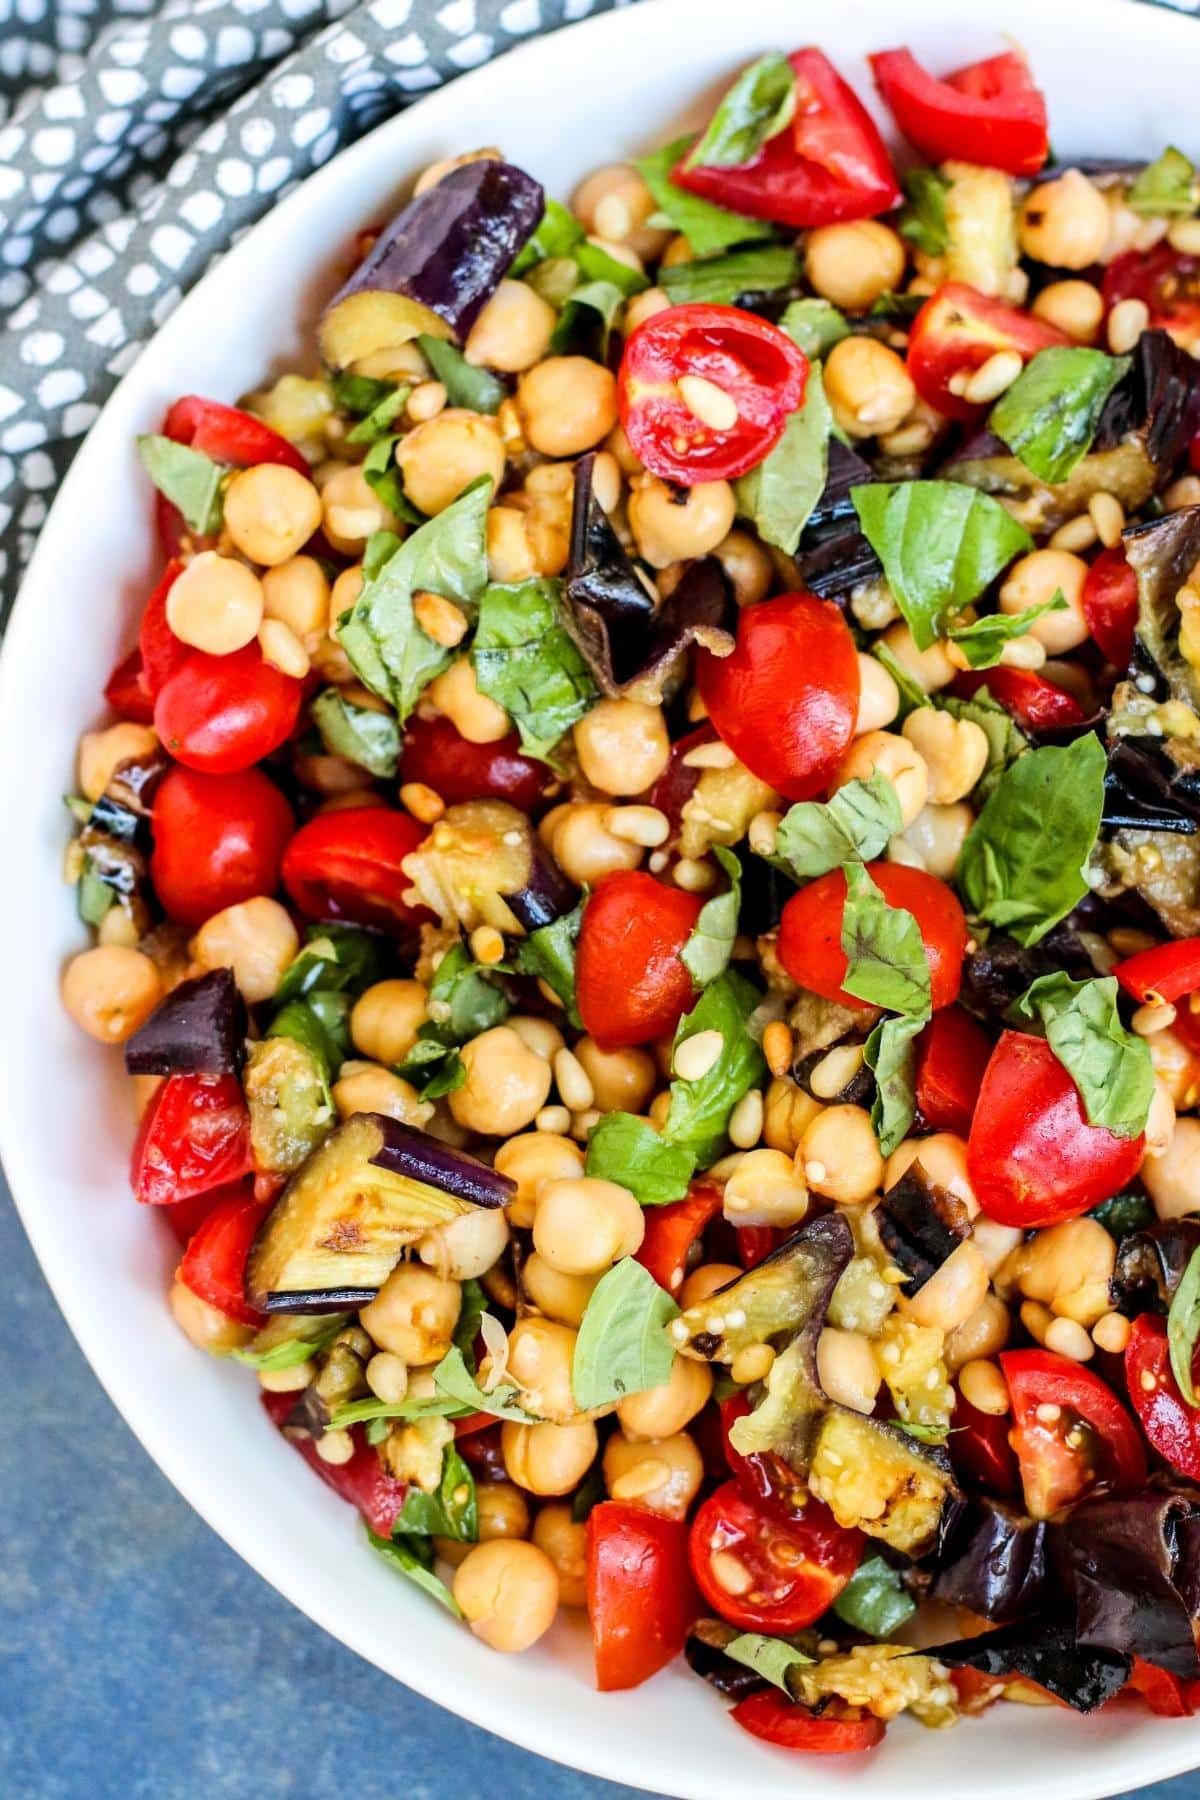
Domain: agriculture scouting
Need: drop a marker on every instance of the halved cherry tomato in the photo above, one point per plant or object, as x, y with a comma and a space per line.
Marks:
1032, 1157
347, 865
755, 1242
777, 1720
955, 333
1172, 1427
1167, 973
671, 1231
363, 1481
185, 1217
829, 165
1035, 703
989, 113
786, 700
810, 930
215, 1260
436, 753
952, 1054
194, 1135
224, 713
1166, 1695
1110, 604
640, 1597
762, 1474
218, 840
1070, 1431
226, 434
980, 1451
637, 926
125, 691
752, 362
798, 1565
1169, 283
162, 652
977, 1691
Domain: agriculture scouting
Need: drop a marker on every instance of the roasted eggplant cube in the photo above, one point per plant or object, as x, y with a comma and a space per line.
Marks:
774, 1301
871, 1475
483, 864
199, 1029
286, 1093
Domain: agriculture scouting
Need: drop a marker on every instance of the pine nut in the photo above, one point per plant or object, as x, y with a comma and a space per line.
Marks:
836, 1071
1036, 1319
335, 1447
746, 1120
710, 403
287, 1381
387, 1377
762, 832
644, 825
983, 1386
1111, 1333
753, 1363
991, 379
1152, 1018
698, 1054
777, 1046
612, 218
584, 1123
421, 801
555, 1119
1108, 516
1066, 1338
658, 862
693, 876
1025, 652
710, 756
282, 648
439, 619
1126, 323
1181, 493
730, 1572
1184, 235
572, 1080
426, 401
641, 1480
487, 946
1078, 533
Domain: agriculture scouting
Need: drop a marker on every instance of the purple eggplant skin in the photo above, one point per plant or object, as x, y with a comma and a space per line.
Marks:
1150, 1265
834, 556
994, 1563
546, 894
1043, 1650
198, 1029
419, 1157
1132, 1565
437, 264
921, 1224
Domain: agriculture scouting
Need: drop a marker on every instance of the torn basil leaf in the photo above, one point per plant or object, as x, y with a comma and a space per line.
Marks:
626, 1150
1049, 415
314, 1336
359, 733
557, 235
1166, 188
622, 1347
1005, 740
383, 478
451, 1511
778, 497
548, 954
1183, 1328
526, 662
434, 1069
923, 218
359, 394
586, 321
379, 420
454, 1381
1110, 1066
699, 1110
875, 1600
853, 826
814, 326
890, 1054
722, 280
413, 1556
710, 942
336, 959
466, 385
983, 641
886, 963
707, 228
771, 1657
761, 102
187, 478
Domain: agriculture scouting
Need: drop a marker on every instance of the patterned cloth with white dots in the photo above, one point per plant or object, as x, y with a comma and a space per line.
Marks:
137, 140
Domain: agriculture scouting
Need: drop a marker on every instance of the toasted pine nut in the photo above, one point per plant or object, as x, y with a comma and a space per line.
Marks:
693, 876
426, 401
573, 1082
1078, 533
555, 1119
421, 801
710, 756
710, 403
282, 648
1111, 1333
1126, 323
1151, 1018
761, 834
1066, 1338
487, 946
698, 1054
777, 1044
991, 379
984, 1387
440, 619
644, 825
1108, 516
746, 1120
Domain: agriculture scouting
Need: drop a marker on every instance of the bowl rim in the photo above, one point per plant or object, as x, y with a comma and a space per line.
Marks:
610, 1756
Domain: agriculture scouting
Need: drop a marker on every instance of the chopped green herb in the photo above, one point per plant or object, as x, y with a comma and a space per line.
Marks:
982, 642
761, 102
187, 478
525, 661
359, 733
875, 1600
923, 218
699, 1112
814, 326
710, 943
1183, 1328
548, 954
622, 1347
413, 1556
722, 280
380, 419
1049, 415
465, 384
706, 227
1167, 187
626, 1150
779, 495
855, 825
1110, 1066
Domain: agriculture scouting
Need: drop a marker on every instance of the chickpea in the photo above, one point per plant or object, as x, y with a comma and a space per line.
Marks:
663, 1475
548, 1459
766, 1188
438, 171
216, 604
532, 1161
994, 1242
787, 1114
256, 939
560, 1297
366, 1087
706, 1280
937, 835
351, 512
1076, 307
508, 1593
584, 847
747, 565
296, 593
509, 550
622, 745
386, 1018
983, 1333
868, 387
1066, 1267
467, 1246
413, 1315
1034, 580
476, 717
887, 753
542, 1036
564, 1541
878, 696
111, 990
582, 1226
1064, 223
1173, 1179
952, 1293
955, 753
503, 1511
840, 1156
270, 512
660, 1412
931, 669
615, 203
513, 331
622, 452
622, 1080
203, 1325
853, 264
102, 752
943, 1157
540, 1354
847, 1369
671, 524
1160, 1120
566, 405
440, 458
506, 1086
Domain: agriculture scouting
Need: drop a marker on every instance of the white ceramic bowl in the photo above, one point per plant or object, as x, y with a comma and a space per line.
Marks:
1120, 79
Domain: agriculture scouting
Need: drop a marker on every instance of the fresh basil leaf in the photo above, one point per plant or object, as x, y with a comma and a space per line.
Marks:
912, 694
923, 218
453, 1379
771, 1657
1022, 865
380, 419
586, 320
875, 1600
1110, 1066
448, 556
451, 1511
622, 1347
1005, 740
901, 309
472, 1308
779, 495
924, 1434
590, 1492
548, 954
814, 326
289, 1353
699, 1112
477, 389
414, 1557
187, 478
1183, 1328
707, 228
359, 733
433, 1068
336, 959
761, 102
854, 826
1049, 415
1123, 1214
626, 1150
332, 1012
722, 280
890, 1054
93, 895
359, 394
465, 997
557, 235
381, 546
371, 1412
983, 641
299, 1021
595, 264
710, 941
941, 544
383, 478
886, 963
525, 661
1167, 187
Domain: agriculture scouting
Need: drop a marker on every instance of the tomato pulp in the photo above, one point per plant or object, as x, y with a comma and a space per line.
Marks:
763, 1570
1070, 1431
348, 865
956, 331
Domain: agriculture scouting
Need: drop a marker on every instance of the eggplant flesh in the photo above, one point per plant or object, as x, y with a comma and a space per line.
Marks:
1152, 784
483, 864
1150, 1265
1162, 554
198, 1029
779, 1297
340, 1225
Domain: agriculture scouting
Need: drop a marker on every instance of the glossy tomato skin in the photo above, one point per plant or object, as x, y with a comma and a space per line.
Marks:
637, 926
1167, 973
775, 1719
810, 930
763, 1476
1165, 1694
1110, 604
436, 753
1032, 1157
194, 1135
161, 651
225, 713
952, 1054
800, 1564
671, 1230
1169, 282
1054, 1473
215, 1259
980, 1451
226, 434
988, 113
955, 333
1035, 703
363, 1481
785, 701
1171, 1426
830, 164
347, 865
640, 1597
218, 840
185, 1217
752, 361
125, 691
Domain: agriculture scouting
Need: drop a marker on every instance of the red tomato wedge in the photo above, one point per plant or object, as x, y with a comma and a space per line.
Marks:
436, 753
347, 865
786, 700
1110, 604
640, 1597
1032, 1157
830, 164
1035, 703
980, 1451
952, 1054
776, 1720
1070, 1431
229, 436
1172, 1427
797, 1566
225, 713
671, 1231
1169, 282
955, 333
125, 691
752, 363
1165, 1694
989, 113
1168, 973
363, 1481
194, 1135
637, 925
215, 1260
218, 840
161, 651
810, 931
